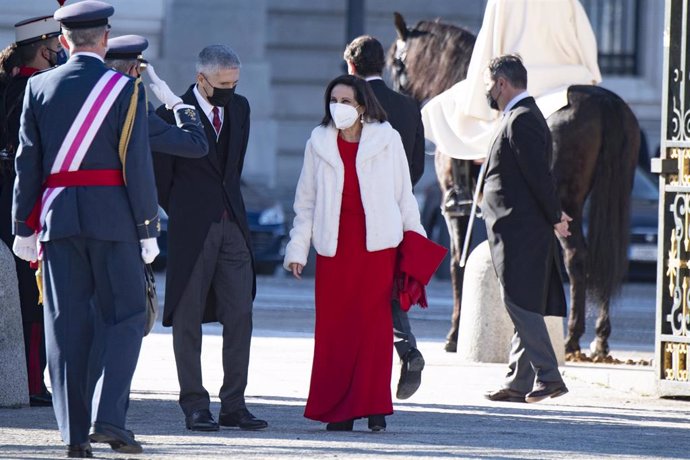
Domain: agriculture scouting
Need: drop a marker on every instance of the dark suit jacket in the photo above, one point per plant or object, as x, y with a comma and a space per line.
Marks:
52, 101
403, 114
520, 207
194, 193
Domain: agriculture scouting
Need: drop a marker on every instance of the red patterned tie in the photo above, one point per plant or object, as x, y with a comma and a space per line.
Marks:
216, 120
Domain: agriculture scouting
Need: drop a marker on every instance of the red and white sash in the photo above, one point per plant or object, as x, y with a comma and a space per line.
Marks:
82, 132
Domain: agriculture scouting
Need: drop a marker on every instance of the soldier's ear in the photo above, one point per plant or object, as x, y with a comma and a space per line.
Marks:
63, 42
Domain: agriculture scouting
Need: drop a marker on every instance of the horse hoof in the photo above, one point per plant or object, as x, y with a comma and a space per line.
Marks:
572, 346
598, 349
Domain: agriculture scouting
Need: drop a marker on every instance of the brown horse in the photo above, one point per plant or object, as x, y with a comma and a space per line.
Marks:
596, 138
416, 60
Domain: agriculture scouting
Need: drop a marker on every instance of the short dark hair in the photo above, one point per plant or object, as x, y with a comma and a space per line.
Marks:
366, 54
510, 67
363, 95
29, 51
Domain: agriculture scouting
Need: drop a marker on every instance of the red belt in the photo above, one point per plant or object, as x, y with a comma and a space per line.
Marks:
85, 178
81, 178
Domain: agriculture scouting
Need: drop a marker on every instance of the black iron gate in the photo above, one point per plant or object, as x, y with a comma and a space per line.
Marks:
673, 277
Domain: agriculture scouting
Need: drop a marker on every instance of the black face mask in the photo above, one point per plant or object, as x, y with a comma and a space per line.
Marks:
221, 96
60, 57
491, 101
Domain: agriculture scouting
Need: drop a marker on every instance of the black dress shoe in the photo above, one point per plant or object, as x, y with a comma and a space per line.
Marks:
410, 374
201, 420
451, 346
241, 418
120, 440
79, 450
505, 395
377, 423
41, 400
543, 390
340, 426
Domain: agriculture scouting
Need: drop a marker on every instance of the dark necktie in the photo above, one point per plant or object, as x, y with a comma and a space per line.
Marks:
216, 120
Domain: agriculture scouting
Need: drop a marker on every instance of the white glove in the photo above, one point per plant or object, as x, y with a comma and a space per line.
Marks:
162, 90
149, 249
25, 247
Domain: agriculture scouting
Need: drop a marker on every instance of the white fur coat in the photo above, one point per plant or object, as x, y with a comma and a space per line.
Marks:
390, 208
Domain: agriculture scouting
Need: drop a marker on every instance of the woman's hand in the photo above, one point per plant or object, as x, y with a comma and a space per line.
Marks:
296, 270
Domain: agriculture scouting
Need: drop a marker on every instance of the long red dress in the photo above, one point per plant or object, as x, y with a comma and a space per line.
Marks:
353, 339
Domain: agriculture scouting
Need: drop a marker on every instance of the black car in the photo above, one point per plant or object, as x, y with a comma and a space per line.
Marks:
266, 224
644, 227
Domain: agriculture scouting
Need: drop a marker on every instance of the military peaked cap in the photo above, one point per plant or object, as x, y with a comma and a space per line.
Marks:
83, 15
35, 29
126, 47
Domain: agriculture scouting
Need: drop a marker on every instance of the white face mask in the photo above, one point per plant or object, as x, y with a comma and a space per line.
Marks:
343, 115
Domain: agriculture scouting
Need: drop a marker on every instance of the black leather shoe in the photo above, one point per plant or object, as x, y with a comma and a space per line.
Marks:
451, 346
505, 395
340, 426
241, 418
120, 440
543, 390
377, 422
201, 420
410, 374
79, 450
41, 400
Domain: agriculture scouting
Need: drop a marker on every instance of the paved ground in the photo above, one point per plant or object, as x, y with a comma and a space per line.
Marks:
610, 412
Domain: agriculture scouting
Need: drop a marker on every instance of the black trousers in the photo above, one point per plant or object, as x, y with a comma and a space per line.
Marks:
404, 338
224, 271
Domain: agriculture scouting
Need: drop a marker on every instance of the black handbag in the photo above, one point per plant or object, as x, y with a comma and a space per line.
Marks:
151, 298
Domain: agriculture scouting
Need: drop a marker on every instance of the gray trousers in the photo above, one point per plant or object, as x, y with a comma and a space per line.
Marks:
531, 354
404, 339
224, 271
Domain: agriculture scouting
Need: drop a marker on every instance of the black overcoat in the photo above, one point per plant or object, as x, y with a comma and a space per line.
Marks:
194, 193
520, 207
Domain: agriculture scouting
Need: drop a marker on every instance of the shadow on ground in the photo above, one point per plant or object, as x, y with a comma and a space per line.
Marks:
423, 430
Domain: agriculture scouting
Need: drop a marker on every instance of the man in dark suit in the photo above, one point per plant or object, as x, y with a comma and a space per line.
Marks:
39, 49
210, 273
522, 212
93, 207
365, 58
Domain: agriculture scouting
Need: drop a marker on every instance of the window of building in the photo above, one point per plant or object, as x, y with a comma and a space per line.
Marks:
616, 24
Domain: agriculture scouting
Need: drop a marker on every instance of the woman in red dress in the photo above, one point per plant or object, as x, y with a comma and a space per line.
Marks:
353, 202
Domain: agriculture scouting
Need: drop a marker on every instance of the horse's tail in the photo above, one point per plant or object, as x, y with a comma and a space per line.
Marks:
609, 211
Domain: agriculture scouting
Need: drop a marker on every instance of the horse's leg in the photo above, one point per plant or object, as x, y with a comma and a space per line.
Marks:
575, 257
599, 347
457, 226
444, 174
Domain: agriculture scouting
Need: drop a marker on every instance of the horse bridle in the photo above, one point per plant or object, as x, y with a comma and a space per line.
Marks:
401, 81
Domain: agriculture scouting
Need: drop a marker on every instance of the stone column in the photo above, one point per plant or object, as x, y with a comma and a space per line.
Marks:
14, 389
189, 26
485, 329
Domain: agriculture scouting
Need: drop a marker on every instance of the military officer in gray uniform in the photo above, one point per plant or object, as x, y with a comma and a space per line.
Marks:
185, 139
85, 190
